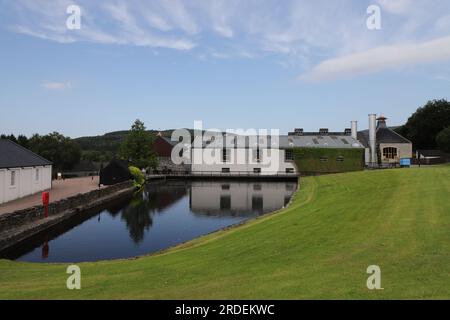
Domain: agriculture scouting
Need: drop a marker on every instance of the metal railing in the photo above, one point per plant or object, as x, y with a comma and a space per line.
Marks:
224, 174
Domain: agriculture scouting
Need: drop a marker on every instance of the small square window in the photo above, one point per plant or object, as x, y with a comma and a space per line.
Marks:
225, 170
289, 155
256, 170
289, 170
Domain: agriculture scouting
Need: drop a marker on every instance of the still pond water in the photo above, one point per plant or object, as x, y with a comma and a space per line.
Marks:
163, 215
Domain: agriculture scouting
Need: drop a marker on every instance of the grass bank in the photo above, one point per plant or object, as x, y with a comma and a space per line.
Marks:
320, 247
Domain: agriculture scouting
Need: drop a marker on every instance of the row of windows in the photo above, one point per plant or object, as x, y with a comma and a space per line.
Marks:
338, 159
257, 170
289, 155
13, 179
257, 202
226, 155
258, 187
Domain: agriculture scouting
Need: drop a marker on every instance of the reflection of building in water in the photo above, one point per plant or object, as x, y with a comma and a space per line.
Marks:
239, 199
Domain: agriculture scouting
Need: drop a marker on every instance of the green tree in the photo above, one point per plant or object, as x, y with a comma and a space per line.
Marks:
23, 141
61, 150
425, 124
9, 137
139, 179
443, 140
137, 148
96, 156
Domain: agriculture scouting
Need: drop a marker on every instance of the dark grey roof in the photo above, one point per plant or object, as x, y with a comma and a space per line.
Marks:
363, 138
384, 135
13, 155
430, 153
286, 142
169, 141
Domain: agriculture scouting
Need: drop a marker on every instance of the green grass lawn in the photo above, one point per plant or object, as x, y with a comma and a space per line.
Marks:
319, 248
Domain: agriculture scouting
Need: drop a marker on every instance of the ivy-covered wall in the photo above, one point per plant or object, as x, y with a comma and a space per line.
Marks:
328, 160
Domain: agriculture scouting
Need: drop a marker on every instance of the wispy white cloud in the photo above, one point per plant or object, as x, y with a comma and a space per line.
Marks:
396, 6
47, 20
306, 35
56, 85
381, 58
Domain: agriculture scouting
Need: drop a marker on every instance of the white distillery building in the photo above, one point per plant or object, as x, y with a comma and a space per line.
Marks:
22, 172
266, 155
240, 154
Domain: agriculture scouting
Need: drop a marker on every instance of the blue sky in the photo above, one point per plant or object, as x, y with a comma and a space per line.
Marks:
231, 64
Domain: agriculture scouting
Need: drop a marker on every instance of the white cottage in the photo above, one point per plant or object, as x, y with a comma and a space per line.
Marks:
22, 172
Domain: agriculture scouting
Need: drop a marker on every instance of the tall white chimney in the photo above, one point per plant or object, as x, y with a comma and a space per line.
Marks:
373, 138
355, 130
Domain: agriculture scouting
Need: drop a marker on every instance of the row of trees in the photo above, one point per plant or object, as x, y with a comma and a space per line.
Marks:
429, 127
136, 148
61, 150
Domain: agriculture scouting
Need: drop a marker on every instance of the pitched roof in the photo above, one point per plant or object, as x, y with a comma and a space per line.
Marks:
384, 135
319, 141
286, 142
13, 155
169, 141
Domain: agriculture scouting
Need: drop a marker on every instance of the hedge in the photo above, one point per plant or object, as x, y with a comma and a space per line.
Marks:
328, 160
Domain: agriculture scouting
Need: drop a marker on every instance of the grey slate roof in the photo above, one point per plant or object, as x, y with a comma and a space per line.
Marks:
305, 141
384, 135
319, 141
13, 155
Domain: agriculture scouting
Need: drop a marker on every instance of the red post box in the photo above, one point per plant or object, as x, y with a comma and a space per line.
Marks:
45, 198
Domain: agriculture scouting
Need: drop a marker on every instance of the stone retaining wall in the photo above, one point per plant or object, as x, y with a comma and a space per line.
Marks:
21, 217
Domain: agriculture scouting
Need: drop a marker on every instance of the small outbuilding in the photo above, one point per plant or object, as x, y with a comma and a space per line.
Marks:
384, 146
22, 172
116, 171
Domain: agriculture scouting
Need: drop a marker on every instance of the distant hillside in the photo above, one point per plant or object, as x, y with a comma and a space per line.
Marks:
110, 142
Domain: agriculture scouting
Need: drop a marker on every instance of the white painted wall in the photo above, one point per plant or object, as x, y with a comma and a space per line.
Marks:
272, 161
2, 185
26, 183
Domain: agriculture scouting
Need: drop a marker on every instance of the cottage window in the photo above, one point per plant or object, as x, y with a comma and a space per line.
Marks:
37, 175
390, 153
13, 178
225, 155
258, 155
289, 155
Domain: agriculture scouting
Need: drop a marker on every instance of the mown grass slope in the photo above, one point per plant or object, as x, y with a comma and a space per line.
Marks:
320, 247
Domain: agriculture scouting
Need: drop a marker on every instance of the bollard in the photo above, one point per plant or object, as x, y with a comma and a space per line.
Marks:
45, 202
